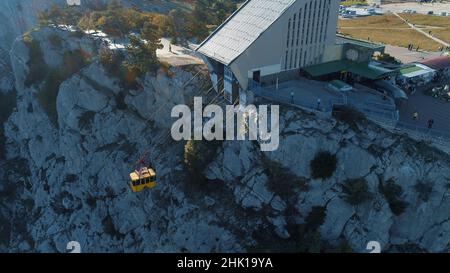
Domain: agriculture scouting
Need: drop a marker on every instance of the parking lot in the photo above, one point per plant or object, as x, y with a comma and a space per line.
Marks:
424, 8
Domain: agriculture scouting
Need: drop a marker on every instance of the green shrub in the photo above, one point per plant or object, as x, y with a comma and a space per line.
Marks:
55, 40
5, 231
316, 217
37, 66
323, 165
281, 180
393, 192
120, 100
349, 115
48, 94
112, 62
197, 156
7, 104
387, 58
85, 120
424, 190
73, 61
356, 191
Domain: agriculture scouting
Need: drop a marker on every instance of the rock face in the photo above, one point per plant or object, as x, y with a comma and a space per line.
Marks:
372, 154
17, 17
65, 178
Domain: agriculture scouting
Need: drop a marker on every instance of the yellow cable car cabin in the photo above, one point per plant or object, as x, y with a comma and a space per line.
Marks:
140, 180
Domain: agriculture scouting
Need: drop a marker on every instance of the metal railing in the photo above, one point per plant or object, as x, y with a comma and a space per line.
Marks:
424, 132
324, 106
383, 114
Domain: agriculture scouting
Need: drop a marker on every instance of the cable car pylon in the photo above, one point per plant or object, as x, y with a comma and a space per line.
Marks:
144, 176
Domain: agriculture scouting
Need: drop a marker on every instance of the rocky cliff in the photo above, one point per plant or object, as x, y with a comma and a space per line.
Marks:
72, 140
17, 17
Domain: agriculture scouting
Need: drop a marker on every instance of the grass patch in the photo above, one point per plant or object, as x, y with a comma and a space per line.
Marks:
389, 29
381, 21
427, 20
443, 34
348, 3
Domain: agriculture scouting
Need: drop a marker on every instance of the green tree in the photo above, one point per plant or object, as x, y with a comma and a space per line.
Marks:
323, 165
316, 217
198, 20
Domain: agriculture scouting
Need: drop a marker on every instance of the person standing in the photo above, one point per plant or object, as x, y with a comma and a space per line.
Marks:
292, 97
430, 123
416, 115
319, 102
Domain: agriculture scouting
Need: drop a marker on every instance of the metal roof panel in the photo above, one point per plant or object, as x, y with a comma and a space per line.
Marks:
242, 29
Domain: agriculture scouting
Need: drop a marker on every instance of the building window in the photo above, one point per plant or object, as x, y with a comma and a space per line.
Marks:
288, 33
300, 59
313, 22
319, 19
308, 27
228, 73
326, 21
286, 60
298, 26
296, 56
290, 60
304, 58
304, 25
294, 25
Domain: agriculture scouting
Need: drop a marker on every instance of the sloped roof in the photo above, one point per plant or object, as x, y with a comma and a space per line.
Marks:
438, 63
242, 29
341, 39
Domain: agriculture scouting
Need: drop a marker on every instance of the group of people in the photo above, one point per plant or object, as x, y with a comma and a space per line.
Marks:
430, 122
411, 47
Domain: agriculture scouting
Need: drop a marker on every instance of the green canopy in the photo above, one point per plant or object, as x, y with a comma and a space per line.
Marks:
362, 69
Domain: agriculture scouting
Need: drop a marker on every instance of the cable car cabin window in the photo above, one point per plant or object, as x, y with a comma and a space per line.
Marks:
136, 183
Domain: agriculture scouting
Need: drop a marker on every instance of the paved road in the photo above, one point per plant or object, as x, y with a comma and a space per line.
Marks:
428, 108
408, 56
421, 31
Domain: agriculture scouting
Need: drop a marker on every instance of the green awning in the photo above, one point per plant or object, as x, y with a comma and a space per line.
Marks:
409, 69
362, 69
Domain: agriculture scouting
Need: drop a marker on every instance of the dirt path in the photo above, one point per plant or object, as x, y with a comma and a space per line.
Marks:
177, 55
422, 31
